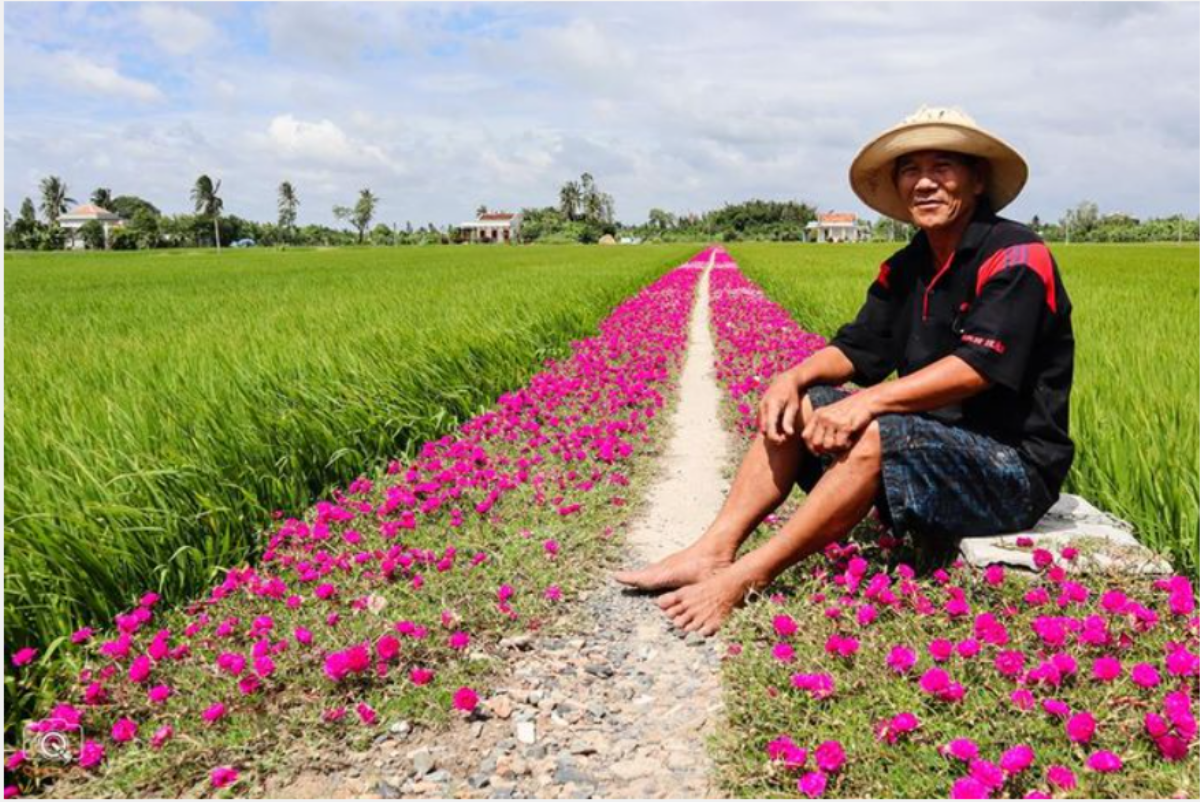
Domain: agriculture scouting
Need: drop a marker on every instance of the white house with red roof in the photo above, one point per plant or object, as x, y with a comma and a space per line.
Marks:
77, 217
838, 227
494, 227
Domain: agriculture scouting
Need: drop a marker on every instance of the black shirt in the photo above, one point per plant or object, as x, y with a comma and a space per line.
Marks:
999, 305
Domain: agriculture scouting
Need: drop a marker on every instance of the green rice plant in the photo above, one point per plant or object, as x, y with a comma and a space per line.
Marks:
161, 406
1134, 405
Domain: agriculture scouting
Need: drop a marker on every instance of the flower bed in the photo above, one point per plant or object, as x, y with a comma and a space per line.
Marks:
382, 602
862, 678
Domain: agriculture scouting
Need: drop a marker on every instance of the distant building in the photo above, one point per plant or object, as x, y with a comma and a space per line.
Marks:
77, 217
493, 227
837, 227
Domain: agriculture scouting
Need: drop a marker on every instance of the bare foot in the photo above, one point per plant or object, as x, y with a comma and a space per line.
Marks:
704, 606
685, 567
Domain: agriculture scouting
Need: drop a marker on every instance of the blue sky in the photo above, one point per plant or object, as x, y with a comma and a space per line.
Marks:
441, 107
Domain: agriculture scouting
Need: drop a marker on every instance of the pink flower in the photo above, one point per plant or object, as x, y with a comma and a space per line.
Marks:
784, 626
1081, 727
387, 648
783, 748
366, 713
90, 754
1060, 777
465, 699
1104, 762
24, 657
459, 641
900, 659
968, 788
139, 669
898, 725
1106, 669
830, 756
124, 730
812, 784
231, 663
1017, 759
1010, 663
1042, 558
420, 676
963, 749
783, 652
222, 776
1056, 708
968, 648
988, 773
214, 713
552, 593
994, 575
1145, 675
934, 681
940, 649
159, 694
551, 547
303, 636
1022, 699
163, 734
15, 760
81, 635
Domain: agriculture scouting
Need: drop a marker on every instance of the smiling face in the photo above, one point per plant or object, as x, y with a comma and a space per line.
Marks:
939, 188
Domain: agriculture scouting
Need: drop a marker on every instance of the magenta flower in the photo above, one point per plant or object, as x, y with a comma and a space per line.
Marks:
213, 713
1081, 727
124, 730
830, 756
812, 784
1056, 708
784, 626
23, 657
366, 713
465, 699
1060, 777
900, 659
784, 749
994, 575
968, 788
934, 681
1022, 699
90, 754
1104, 762
963, 749
420, 676
988, 773
1017, 759
551, 547
1010, 663
552, 593
1145, 675
159, 694
81, 635
163, 734
1106, 669
223, 776
940, 649
783, 652
459, 641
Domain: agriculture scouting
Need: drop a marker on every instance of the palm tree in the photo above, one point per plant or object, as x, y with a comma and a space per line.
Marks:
54, 198
287, 207
208, 204
103, 198
364, 210
569, 198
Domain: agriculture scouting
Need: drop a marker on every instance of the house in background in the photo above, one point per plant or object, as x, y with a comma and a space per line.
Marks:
837, 227
77, 217
493, 227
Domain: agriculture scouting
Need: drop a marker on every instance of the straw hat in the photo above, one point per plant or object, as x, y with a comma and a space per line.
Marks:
948, 129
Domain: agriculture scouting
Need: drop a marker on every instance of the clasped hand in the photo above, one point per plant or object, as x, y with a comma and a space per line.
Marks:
830, 430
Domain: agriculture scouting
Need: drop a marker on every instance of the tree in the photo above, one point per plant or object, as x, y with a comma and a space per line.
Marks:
103, 198
287, 208
364, 210
144, 229
661, 220
569, 200
25, 230
481, 211
54, 198
1080, 220
127, 206
209, 204
92, 233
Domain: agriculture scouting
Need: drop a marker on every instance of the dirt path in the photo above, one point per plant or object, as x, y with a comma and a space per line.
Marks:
621, 709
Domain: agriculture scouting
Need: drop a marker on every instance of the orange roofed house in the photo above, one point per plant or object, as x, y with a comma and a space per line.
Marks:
77, 217
494, 227
837, 227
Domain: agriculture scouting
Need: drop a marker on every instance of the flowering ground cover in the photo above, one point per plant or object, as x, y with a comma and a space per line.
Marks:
384, 601
1133, 405
860, 677
160, 405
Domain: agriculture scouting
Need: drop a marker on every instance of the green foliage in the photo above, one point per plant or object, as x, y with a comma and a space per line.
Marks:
54, 198
159, 406
127, 206
92, 234
1133, 407
103, 198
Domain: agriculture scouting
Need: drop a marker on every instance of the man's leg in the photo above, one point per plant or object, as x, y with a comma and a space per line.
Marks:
763, 482
841, 499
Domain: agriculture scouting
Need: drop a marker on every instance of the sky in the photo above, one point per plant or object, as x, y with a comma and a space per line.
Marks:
441, 107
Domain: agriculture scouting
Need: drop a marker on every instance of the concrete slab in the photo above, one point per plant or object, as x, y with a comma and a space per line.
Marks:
1105, 543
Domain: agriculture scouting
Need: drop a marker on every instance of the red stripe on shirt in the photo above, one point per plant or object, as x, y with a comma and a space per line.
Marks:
1034, 255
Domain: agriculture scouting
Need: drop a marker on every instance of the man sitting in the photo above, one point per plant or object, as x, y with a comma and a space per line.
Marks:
970, 439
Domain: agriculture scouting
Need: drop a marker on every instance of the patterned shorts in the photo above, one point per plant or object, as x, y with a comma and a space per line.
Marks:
943, 482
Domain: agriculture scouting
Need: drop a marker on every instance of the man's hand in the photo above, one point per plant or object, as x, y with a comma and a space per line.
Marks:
778, 408
835, 428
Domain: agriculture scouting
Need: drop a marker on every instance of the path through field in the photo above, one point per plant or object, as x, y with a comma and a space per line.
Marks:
620, 709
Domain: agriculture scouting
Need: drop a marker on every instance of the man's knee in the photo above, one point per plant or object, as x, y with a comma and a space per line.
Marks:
868, 449
806, 412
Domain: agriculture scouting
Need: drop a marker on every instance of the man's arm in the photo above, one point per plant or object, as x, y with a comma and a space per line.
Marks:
949, 380
780, 404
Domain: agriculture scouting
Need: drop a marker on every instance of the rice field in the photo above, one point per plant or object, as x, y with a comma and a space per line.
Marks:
1134, 405
161, 406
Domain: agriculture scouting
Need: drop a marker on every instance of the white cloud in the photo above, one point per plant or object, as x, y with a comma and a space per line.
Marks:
322, 143
76, 72
174, 29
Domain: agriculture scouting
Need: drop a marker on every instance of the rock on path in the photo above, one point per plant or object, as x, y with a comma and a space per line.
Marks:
622, 708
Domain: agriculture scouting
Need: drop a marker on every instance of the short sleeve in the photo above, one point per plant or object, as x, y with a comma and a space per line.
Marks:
1001, 329
869, 341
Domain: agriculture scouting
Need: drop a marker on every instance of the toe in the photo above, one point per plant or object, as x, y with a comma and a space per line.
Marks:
668, 600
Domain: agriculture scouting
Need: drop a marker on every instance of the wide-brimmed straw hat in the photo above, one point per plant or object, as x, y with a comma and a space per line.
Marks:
947, 129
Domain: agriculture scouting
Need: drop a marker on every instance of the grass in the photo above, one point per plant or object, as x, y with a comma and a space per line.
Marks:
160, 406
1134, 403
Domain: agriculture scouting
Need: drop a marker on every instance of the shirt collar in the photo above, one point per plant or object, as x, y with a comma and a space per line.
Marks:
982, 220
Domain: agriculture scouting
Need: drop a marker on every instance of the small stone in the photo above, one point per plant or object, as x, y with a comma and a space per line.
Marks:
439, 776
400, 728
567, 772
479, 780
535, 752
680, 761
526, 732
578, 791
500, 706
519, 642
694, 639
477, 729
423, 762
633, 768
601, 670
386, 790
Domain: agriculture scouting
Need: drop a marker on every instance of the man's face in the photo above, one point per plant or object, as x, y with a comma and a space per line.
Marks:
939, 188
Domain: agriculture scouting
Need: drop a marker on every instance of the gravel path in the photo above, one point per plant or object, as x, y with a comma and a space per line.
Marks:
620, 709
